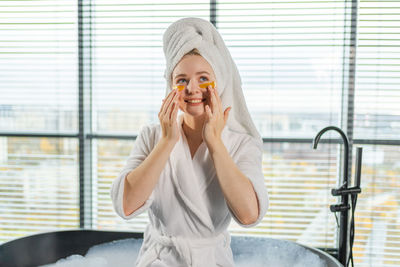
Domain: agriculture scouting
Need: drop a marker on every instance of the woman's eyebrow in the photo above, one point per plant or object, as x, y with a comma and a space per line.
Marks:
197, 73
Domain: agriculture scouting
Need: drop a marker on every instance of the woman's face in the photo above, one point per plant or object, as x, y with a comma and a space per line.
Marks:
191, 71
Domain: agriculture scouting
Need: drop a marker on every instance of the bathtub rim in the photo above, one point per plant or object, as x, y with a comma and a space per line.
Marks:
106, 236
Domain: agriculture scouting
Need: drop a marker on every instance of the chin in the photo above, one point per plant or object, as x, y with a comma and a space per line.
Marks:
196, 113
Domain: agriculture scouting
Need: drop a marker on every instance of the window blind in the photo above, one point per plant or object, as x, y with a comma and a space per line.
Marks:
128, 67
38, 185
292, 62
377, 111
38, 66
377, 120
38, 94
290, 57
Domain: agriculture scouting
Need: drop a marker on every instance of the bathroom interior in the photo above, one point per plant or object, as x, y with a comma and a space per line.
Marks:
321, 81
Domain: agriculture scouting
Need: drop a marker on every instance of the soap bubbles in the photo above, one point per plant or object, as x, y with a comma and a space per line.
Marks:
247, 252
261, 252
120, 253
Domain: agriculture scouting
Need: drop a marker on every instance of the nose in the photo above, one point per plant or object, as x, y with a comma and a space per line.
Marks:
193, 87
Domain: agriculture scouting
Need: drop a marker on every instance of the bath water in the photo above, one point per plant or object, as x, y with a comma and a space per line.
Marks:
247, 252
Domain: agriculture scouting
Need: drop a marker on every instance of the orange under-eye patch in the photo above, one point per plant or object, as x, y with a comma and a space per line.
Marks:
179, 87
202, 85
205, 85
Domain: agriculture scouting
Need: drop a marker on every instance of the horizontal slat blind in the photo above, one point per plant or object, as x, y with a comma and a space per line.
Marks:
377, 241
289, 55
112, 155
377, 117
378, 71
299, 194
38, 93
38, 185
128, 66
38, 66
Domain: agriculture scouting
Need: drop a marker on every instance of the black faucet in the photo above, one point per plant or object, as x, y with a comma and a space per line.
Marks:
346, 150
344, 191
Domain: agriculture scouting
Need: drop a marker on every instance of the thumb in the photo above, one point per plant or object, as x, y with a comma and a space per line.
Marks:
226, 113
209, 114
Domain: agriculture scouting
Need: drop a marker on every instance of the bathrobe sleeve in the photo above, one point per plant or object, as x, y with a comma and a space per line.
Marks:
139, 152
248, 158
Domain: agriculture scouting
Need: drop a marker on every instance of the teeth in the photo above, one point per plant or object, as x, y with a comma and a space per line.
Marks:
194, 101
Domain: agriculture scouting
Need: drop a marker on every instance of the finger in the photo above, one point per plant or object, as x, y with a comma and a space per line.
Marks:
174, 102
208, 111
171, 111
164, 115
167, 102
226, 114
218, 99
174, 110
214, 101
217, 95
211, 104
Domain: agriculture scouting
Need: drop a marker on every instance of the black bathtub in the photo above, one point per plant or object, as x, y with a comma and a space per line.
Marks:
49, 247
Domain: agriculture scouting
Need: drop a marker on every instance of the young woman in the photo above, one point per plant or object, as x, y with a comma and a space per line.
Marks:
195, 171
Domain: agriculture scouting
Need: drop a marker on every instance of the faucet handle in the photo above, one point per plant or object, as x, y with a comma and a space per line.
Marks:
337, 192
339, 207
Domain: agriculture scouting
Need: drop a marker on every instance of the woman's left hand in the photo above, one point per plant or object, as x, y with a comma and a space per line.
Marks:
215, 120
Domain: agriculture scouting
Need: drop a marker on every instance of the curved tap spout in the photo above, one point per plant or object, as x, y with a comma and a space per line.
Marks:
346, 149
344, 206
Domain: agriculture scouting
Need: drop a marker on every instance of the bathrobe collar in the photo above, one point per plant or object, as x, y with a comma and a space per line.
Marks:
189, 183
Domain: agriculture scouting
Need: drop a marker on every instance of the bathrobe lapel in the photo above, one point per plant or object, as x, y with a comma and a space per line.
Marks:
189, 178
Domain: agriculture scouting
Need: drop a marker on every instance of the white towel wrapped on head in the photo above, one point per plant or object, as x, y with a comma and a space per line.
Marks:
188, 33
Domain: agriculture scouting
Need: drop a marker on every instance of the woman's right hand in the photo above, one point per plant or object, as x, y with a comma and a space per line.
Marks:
167, 116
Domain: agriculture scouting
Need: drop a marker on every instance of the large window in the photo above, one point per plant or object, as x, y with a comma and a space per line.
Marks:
39, 179
79, 78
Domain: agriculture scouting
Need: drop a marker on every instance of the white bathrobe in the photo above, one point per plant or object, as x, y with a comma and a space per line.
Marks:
188, 213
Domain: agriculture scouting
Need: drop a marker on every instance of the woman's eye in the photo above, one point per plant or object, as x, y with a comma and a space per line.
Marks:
205, 79
179, 81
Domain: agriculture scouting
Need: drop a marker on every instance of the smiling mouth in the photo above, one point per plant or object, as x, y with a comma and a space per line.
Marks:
195, 101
